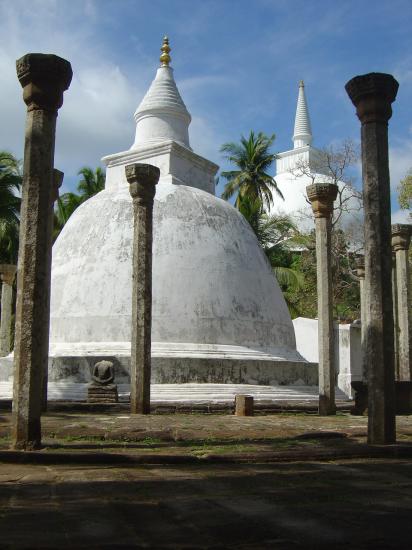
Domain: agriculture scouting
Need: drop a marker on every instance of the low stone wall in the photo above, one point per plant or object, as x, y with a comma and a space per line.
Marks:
74, 371
176, 370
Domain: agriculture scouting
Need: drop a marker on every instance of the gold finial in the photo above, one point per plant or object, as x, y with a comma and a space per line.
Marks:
165, 58
301, 84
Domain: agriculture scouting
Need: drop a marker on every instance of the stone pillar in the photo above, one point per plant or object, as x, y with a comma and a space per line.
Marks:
360, 272
142, 179
56, 184
401, 240
7, 273
372, 95
44, 79
395, 318
321, 196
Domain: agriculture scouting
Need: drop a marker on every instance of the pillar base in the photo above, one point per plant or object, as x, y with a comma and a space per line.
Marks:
28, 442
403, 392
326, 406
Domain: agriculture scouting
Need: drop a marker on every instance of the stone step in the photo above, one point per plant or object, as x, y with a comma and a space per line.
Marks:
187, 393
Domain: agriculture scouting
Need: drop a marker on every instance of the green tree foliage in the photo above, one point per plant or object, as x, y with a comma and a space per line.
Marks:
91, 183
10, 185
252, 158
334, 165
274, 234
253, 188
292, 254
405, 193
405, 200
345, 285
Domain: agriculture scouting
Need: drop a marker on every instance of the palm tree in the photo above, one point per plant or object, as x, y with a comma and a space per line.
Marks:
9, 241
90, 184
275, 233
10, 184
253, 187
65, 205
253, 158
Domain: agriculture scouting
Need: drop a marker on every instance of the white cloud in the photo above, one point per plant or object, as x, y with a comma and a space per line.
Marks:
204, 140
401, 216
400, 161
97, 115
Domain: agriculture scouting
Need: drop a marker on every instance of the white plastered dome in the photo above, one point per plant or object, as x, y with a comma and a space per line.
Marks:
212, 285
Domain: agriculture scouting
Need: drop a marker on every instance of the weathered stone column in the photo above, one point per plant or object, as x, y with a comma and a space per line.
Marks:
360, 272
372, 95
7, 273
56, 184
401, 240
44, 79
321, 196
395, 318
142, 179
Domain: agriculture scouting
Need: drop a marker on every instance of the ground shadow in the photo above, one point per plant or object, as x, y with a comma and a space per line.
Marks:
355, 504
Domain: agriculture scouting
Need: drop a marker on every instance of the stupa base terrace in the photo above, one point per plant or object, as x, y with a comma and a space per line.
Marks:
180, 398
70, 366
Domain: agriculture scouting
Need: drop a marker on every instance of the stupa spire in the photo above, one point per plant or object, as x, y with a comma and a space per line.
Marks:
302, 134
162, 115
165, 58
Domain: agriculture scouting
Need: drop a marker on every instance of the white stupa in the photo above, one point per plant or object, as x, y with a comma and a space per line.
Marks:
304, 165
291, 182
218, 312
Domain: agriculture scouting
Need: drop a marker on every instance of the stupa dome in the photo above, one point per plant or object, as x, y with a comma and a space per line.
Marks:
212, 285
218, 312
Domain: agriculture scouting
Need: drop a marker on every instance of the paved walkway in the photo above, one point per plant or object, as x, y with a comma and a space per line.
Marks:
202, 481
339, 505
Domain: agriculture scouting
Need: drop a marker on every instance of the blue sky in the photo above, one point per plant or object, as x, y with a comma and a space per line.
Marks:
237, 65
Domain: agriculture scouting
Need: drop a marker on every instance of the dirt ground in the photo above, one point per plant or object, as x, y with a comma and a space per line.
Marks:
202, 434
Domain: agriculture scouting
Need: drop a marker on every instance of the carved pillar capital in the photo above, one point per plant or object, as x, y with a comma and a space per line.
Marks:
142, 180
44, 78
401, 236
372, 94
322, 196
7, 273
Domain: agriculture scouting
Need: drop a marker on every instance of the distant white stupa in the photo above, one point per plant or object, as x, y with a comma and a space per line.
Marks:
218, 312
289, 166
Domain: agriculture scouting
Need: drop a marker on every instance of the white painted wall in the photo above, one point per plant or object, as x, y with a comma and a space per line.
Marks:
306, 334
348, 352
